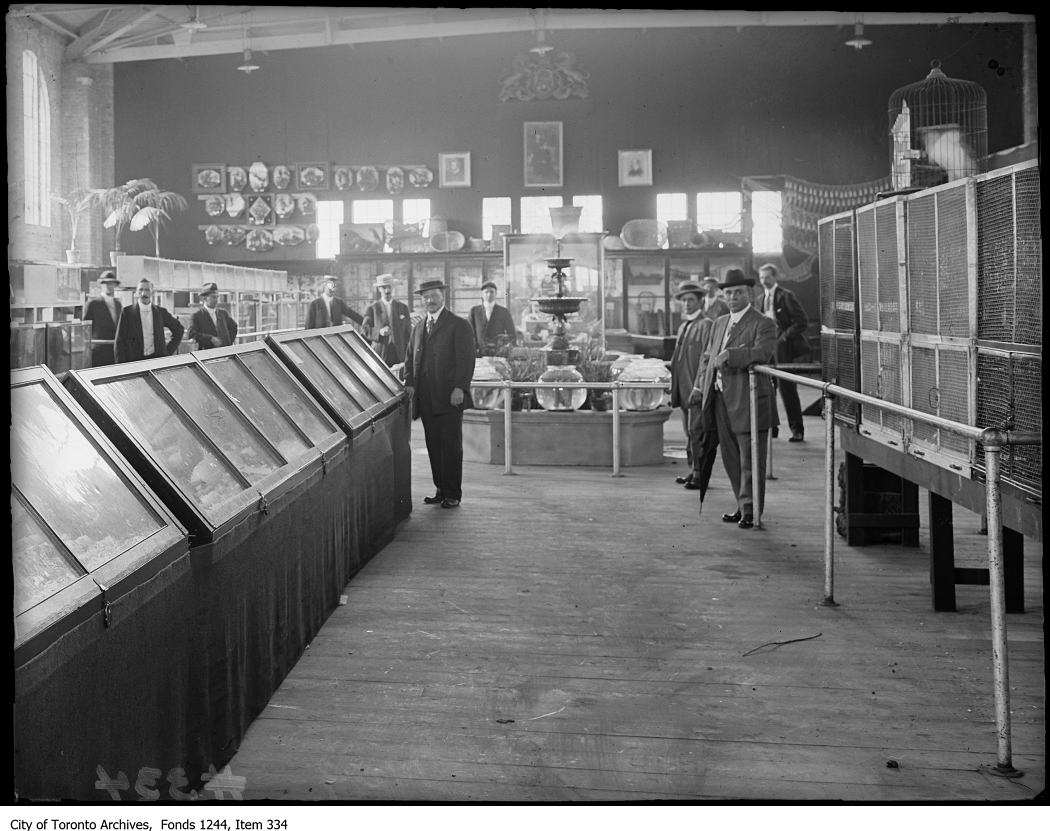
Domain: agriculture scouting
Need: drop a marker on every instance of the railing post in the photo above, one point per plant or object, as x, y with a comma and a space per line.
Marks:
997, 589
756, 467
616, 428
508, 395
829, 501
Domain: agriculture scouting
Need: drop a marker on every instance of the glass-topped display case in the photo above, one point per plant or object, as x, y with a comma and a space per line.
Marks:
339, 367
83, 522
217, 434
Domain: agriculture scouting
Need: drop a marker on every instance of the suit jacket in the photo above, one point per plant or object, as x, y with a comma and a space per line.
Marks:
438, 363
791, 324
200, 324
717, 309
317, 314
103, 327
752, 341
129, 344
392, 346
685, 361
487, 332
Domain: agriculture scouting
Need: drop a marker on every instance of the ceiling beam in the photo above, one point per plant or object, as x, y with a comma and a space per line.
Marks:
39, 18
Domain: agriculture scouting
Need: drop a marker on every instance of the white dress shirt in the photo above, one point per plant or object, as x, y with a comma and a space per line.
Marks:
146, 316
768, 305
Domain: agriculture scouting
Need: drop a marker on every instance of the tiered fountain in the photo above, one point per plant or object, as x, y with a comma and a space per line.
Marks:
564, 220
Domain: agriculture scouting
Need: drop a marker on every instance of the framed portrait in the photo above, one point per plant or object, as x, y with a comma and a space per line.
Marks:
542, 143
312, 175
209, 178
454, 170
636, 167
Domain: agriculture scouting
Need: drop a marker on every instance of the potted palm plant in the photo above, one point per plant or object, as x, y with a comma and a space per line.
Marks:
596, 368
75, 204
136, 205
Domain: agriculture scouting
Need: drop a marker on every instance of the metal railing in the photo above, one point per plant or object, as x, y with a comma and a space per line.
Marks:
615, 386
993, 441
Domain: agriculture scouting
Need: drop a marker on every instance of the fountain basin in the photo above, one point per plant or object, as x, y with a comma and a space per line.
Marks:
558, 306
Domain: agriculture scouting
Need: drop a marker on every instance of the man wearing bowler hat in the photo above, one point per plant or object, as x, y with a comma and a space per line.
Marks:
438, 369
211, 326
103, 312
388, 323
329, 310
689, 346
492, 324
738, 340
714, 305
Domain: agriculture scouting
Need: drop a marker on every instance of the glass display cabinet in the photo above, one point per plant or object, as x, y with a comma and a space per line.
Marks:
342, 371
84, 523
217, 437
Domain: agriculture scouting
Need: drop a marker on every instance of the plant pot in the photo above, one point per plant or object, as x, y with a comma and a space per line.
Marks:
72, 255
601, 400
113, 257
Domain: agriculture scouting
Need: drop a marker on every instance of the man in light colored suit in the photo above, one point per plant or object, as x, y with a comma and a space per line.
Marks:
739, 339
140, 330
388, 323
689, 345
492, 324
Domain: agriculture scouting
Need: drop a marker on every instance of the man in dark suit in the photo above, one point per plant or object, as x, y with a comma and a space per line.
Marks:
739, 339
688, 346
103, 312
714, 306
491, 323
783, 308
140, 330
211, 326
329, 310
388, 323
438, 369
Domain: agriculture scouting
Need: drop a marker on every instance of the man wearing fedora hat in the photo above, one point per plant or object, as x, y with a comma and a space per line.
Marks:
329, 310
492, 324
438, 369
211, 326
388, 323
738, 340
689, 345
103, 312
140, 330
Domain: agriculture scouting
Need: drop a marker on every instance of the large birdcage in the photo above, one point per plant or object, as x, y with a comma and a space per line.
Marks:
938, 130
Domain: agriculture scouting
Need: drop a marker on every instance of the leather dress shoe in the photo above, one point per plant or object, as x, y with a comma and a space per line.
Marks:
733, 517
691, 485
797, 437
746, 521
436, 499
450, 503
683, 480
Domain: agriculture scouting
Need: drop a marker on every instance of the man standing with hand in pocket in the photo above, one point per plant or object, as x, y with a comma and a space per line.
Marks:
211, 326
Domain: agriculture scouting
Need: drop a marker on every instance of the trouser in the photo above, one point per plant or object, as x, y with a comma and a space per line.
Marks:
736, 458
688, 436
444, 436
789, 395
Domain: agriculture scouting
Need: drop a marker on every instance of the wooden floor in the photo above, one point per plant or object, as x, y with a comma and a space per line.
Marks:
568, 636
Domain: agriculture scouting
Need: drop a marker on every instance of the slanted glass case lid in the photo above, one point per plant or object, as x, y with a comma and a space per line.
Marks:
339, 366
79, 513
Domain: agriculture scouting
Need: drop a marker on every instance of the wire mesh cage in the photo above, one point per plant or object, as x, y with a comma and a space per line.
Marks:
938, 130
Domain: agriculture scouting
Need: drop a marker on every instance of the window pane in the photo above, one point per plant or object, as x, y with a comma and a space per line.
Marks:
767, 235
719, 211
43, 184
495, 210
372, 210
535, 215
415, 210
329, 218
591, 220
671, 206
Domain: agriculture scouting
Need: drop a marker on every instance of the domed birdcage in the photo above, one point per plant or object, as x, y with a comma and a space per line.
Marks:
938, 130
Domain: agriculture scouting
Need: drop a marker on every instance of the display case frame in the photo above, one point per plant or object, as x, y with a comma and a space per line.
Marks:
323, 345
91, 592
205, 523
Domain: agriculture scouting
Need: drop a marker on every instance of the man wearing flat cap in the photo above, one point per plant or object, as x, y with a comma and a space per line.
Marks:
738, 340
492, 324
210, 326
438, 369
388, 323
329, 310
689, 346
103, 312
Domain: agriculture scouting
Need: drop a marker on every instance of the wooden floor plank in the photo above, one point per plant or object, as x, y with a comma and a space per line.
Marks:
571, 636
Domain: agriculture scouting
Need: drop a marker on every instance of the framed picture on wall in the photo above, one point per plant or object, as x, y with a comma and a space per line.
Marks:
209, 178
542, 143
312, 175
454, 170
636, 167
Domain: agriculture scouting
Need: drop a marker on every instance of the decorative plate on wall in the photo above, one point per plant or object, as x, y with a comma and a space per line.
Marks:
282, 176
307, 203
260, 211
259, 239
367, 178
233, 234
313, 233
288, 235
343, 177
209, 178
213, 234
214, 205
238, 177
420, 177
284, 205
235, 204
258, 176
314, 175
395, 180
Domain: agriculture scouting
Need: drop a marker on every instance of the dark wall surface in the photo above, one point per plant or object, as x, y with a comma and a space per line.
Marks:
713, 105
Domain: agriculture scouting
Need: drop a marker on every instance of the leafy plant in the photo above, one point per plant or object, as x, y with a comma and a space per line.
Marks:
75, 204
525, 364
138, 204
594, 365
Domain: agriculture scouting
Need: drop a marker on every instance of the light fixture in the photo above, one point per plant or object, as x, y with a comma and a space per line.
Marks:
248, 66
196, 23
858, 41
542, 47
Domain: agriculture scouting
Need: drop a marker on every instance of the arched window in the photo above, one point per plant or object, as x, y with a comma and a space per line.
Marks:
36, 110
